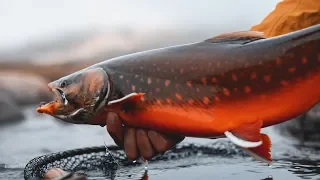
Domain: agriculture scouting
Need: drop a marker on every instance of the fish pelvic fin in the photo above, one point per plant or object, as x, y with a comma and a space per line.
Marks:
262, 152
241, 37
249, 138
247, 135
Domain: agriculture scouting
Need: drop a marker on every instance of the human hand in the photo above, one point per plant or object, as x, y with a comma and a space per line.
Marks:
139, 142
59, 174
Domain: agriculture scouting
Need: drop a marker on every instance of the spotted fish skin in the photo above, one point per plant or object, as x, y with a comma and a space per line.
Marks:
206, 88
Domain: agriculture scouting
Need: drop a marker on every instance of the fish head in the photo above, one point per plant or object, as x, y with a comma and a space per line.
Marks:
79, 96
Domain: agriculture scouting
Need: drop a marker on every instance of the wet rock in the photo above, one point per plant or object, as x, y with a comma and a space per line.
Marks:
25, 89
9, 111
305, 128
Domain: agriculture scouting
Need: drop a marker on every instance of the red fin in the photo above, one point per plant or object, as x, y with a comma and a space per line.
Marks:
262, 152
249, 132
237, 37
133, 97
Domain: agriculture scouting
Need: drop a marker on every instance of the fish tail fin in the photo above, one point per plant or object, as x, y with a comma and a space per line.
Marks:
262, 152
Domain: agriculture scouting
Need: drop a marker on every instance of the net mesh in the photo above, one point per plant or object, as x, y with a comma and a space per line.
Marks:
81, 161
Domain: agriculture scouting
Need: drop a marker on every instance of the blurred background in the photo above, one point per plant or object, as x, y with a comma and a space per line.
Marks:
41, 41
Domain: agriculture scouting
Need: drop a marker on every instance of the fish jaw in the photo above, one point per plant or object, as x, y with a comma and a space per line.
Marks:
49, 108
52, 107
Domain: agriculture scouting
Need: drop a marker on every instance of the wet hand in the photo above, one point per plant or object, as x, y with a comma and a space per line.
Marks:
139, 142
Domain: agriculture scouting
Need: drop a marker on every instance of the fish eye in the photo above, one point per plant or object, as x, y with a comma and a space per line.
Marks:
63, 84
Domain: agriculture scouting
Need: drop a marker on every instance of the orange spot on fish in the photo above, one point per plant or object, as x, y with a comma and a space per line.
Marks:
204, 81
291, 55
214, 80
149, 80
189, 84
205, 100
158, 101
167, 82
190, 101
284, 83
253, 75
226, 92
247, 89
178, 96
157, 90
267, 78
304, 60
133, 88
181, 71
168, 100
263, 96
234, 77
292, 69
278, 61
142, 98
216, 98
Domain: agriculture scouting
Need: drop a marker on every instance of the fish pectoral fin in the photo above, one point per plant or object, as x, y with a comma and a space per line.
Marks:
247, 135
241, 37
130, 98
262, 152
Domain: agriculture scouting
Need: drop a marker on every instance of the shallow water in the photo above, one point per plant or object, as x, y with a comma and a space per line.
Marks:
39, 135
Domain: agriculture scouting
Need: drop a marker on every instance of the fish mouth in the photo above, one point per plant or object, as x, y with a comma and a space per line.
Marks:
60, 96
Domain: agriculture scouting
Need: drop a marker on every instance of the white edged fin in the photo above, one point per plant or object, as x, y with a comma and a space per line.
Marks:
122, 99
241, 142
257, 157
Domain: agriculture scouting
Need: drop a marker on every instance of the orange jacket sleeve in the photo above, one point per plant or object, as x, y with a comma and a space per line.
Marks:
289, 16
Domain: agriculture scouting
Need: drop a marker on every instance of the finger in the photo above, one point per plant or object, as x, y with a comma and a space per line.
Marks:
60, 171
130, 144
144, 145
52, 173
115, 128
163, 142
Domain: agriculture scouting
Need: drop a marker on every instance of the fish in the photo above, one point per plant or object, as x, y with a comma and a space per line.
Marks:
228, 86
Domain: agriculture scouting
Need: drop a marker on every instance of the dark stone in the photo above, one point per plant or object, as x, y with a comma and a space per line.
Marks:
9, 111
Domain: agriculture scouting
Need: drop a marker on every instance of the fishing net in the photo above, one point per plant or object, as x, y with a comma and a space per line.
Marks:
108, 159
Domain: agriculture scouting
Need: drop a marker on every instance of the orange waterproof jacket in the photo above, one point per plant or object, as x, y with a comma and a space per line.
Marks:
288, 16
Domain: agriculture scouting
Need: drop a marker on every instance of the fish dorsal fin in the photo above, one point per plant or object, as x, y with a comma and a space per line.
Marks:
241, 37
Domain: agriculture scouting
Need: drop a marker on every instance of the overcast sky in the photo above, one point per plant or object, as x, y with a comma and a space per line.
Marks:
26, 20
